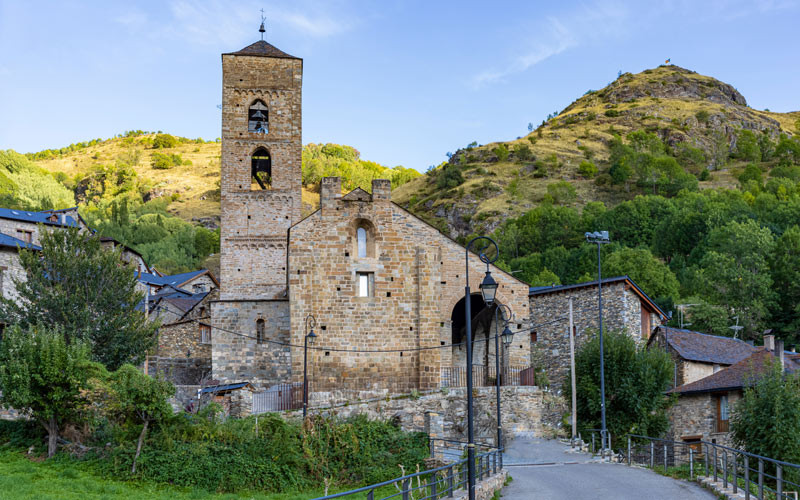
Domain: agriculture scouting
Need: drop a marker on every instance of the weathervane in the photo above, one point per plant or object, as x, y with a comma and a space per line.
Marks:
262, 29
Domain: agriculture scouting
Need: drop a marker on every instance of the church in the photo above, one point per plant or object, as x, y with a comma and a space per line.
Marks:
382, 289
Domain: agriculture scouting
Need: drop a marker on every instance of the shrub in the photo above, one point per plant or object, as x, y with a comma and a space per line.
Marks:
587, 169
705, 175
449, 176
612, 113
522, 152
702, 116
501, 152
562, 192
164, 141
163, 161
751, 173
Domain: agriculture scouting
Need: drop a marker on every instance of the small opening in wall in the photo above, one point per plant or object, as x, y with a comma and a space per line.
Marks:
456, 276
519, 326
441, 324
237, 105
512, 292
248, 217
239, 270
240, 186
534, 337
327, 353
338, 289
391, 278
347, 254
287, 216
401, 354
443, 282
324, 327
441, 343
410, 328
241, 79
388, 294
283, 269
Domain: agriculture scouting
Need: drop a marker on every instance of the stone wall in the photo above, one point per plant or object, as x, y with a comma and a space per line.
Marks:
525, 411
180, 371
696, 415
622, 310
10, 268
418, 277
238, 357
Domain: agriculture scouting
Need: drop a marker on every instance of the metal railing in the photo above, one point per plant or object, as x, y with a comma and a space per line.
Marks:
281, 397
441, 482
757, 476
597, 439
482, 376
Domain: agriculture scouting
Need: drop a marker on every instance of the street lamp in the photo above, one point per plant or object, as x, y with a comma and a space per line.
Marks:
488, 290
309, 338
507, 338
601, 238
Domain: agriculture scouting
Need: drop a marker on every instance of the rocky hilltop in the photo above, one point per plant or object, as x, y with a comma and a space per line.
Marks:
691, 113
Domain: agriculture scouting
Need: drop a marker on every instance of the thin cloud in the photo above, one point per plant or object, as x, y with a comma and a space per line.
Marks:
560, 35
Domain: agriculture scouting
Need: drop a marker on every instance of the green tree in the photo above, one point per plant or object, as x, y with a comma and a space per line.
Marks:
141, 398
747, 147
785, 266
635, 381
734, 272
87, 291
655, 278
788, 150
766, 421
164, 141
751, 173
42, 373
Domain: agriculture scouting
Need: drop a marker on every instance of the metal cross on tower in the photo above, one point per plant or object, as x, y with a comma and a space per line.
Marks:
262, 29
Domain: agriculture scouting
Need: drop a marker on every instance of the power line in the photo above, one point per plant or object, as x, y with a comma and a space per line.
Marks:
374, 351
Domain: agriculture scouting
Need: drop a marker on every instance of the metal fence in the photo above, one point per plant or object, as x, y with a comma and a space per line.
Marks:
279, 397
434, 484
756, 476
456, 376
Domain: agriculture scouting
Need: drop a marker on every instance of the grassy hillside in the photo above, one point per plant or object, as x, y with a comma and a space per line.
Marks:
696, 116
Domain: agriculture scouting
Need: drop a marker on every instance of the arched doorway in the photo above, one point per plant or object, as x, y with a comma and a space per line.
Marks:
483, 350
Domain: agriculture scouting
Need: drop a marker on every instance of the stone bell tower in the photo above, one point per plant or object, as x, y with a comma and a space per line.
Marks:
260, 169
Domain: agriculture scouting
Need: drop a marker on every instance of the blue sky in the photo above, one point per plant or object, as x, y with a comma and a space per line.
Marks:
402, 81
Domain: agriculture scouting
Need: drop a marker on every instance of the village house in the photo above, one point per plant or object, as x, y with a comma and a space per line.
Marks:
704, 406
625, 308
697, 355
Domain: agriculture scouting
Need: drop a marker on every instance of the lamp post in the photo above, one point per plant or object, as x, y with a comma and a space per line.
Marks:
309, 338
601, 238
507, 338
488, 289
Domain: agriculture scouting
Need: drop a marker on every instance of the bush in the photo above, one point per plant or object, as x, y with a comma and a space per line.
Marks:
562, 192
751, 173
612, 113
449, 176
522, 152
164, 141
163, 161
702, 116
501, 152
587, 169
705, 175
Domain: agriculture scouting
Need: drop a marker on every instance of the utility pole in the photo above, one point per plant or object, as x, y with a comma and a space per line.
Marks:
572, 370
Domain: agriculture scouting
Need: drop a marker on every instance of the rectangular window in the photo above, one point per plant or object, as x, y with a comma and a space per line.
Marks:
25, 235
366, 284
534, 337
205, 334
722, 413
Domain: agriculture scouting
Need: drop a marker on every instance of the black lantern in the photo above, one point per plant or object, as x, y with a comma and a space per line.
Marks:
508, 336
311, 337
488, 288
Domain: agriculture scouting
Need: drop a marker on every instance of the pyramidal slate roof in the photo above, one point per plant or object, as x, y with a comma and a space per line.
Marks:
261, 49
705, 348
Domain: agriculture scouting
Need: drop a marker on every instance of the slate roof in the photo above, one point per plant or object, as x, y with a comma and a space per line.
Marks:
36, 217
261, 49
705, 348
10, 241
542, 290
738, 375
224, 388
174, 280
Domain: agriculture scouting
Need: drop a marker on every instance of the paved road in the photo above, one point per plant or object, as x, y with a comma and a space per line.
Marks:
548, 470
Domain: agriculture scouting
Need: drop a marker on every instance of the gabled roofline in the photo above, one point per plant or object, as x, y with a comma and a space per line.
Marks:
588, 284
495, 268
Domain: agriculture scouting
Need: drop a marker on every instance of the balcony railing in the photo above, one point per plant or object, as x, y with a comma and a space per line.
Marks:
482, 376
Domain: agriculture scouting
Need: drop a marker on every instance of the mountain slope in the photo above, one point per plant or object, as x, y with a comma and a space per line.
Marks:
689, 112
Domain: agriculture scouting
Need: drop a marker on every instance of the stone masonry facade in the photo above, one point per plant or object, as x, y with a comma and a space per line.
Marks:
622, 310
417, 276
276, 269
694, 416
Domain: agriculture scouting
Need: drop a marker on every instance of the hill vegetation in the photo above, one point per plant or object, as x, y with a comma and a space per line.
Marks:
159, 193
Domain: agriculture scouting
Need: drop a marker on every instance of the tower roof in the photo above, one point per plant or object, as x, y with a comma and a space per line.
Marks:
261, 49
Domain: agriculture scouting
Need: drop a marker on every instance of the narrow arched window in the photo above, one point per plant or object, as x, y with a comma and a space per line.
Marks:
361, 235
261, 169
258, 118
260, 331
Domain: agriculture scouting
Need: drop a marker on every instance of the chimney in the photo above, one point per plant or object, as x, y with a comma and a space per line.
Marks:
381, 191
769, 342
779, 348
63, 219
330, 193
